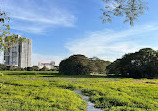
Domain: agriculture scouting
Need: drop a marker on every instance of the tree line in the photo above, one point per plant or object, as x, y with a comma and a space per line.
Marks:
4, 67
141, 64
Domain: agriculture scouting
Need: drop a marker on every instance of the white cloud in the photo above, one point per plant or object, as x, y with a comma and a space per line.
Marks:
37, 16
109, 44
34, 28
45, 58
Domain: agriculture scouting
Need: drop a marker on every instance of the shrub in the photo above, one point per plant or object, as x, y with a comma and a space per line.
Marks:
1, 74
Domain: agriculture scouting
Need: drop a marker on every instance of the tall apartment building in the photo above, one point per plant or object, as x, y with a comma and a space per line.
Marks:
19, 55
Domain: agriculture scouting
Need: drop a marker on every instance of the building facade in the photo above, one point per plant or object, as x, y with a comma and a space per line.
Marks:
47, 65
20, 54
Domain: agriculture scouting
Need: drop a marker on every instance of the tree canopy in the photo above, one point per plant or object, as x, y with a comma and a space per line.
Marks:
143, 63
99, 66
75, 65
4, 28
7, 39
130, 9
81, 65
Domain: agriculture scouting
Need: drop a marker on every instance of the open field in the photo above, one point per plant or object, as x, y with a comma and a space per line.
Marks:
52, 91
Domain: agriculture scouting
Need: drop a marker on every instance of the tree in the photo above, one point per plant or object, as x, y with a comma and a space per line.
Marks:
143, 63
114, 67
130, 9
3, 67
35, 68
75, 65
29, 69
99, 66
11, 68
56, 68
4, 28
81, 65
7, 40
17, 68
44, 69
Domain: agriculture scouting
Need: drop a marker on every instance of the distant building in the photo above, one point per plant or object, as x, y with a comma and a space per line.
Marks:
19, 55
48, 65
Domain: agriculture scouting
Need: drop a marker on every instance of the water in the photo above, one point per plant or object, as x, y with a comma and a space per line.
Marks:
90, 105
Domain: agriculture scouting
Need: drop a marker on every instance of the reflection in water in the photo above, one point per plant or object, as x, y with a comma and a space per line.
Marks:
90, 105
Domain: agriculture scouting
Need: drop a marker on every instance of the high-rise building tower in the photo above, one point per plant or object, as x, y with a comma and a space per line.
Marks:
19, 55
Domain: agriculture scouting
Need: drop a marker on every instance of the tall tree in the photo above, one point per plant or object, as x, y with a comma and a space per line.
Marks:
130, 9
75, 65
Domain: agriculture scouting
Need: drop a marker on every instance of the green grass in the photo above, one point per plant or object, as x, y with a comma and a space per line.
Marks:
48, 91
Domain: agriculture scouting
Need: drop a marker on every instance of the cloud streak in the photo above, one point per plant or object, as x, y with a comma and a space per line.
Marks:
109, 44
38, 15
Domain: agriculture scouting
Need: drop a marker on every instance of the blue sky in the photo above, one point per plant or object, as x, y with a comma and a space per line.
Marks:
60, 28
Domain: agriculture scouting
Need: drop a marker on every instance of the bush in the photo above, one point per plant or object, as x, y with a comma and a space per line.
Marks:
1, 74
44, 69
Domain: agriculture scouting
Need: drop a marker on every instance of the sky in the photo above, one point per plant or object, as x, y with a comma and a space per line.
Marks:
60, 28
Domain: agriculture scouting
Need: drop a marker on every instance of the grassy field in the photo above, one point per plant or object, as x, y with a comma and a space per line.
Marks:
46, 91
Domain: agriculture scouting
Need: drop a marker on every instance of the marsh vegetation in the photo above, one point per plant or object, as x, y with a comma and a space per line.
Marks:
52, 91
